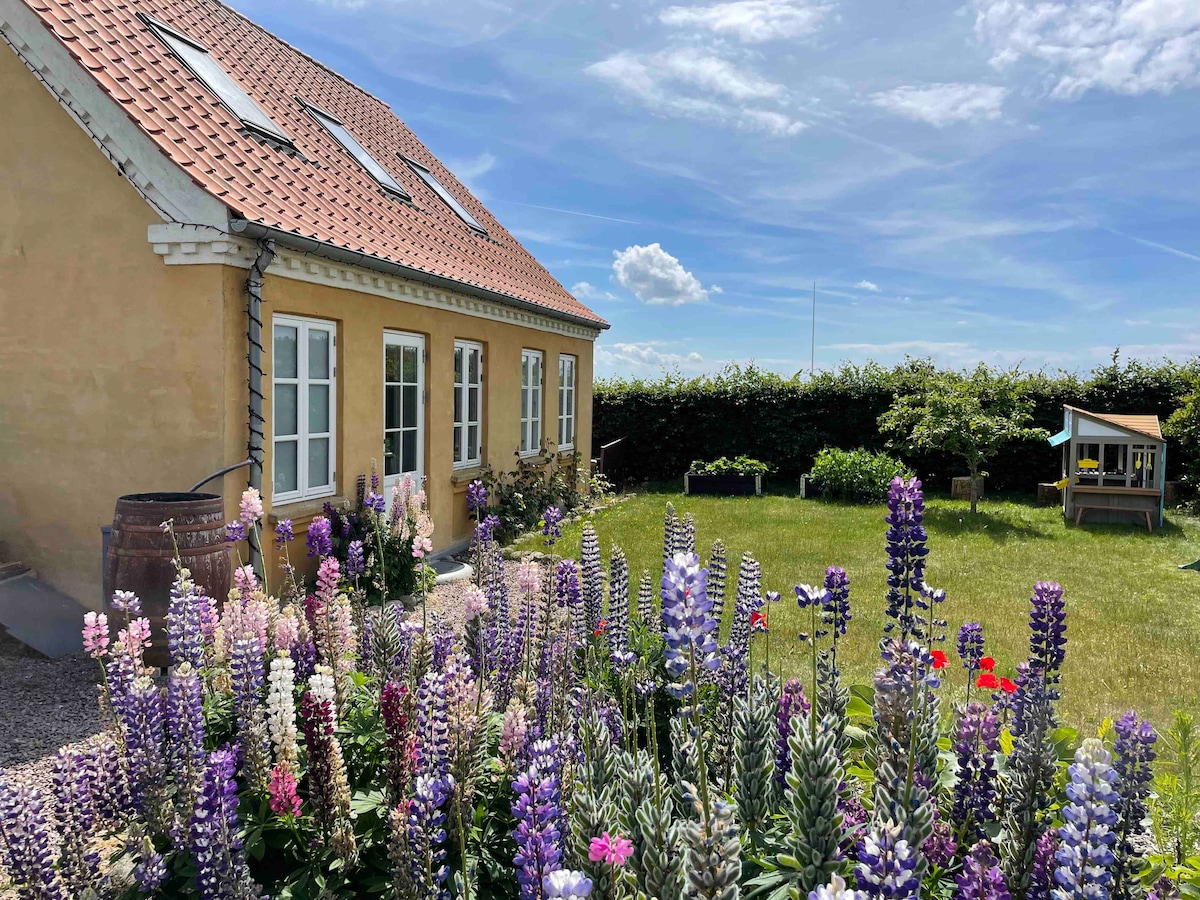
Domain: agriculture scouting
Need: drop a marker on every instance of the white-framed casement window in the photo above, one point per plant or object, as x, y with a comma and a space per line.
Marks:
303, 398
566, 402
468, 404
531, 402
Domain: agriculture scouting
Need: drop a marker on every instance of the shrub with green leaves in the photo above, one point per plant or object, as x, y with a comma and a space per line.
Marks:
855, 476
741, 465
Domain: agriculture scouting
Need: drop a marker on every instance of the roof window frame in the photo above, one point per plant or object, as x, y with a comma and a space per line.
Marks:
456, 205
392, 188
165, 34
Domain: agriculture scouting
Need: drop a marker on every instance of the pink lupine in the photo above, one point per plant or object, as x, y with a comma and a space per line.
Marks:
475, 603
245, 581
250, 509
529, 577
513, 730
284, 799
611, 849
95, 634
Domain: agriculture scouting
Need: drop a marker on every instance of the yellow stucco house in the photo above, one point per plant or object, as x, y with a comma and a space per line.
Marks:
155, 157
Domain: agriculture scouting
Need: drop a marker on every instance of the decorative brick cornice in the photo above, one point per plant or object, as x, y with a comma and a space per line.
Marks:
184, 245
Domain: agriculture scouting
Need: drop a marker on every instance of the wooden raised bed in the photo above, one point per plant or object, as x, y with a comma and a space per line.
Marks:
723, 485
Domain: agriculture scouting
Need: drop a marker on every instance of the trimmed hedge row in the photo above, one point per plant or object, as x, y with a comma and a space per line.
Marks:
672, 420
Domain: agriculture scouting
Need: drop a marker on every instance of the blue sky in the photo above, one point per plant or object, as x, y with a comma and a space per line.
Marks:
1014, 181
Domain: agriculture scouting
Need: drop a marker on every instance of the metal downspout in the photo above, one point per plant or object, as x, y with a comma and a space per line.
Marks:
254, 447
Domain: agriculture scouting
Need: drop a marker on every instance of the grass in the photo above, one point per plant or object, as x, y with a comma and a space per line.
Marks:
1133, 618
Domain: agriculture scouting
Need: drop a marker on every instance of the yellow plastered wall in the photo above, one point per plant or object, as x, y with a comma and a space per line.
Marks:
361, 321
111, 363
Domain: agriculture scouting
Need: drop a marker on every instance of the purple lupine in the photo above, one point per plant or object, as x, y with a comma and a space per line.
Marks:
837, 583
426, 834
1047, 628
981, 878
539, 816
1134, 755
970, 647
1085, 854
618, 610
355, 559
1041, 878
792, 702
375, 502
216, 848
975, 745
320, 537
284, 533
551, 525
477, 496
688, 624
235, 531
75, 817
906, 552
25, 850
486, 529
187, 610
433, 728
887, 865
110, 785
939, 848
150, 870
141, 715
185, 732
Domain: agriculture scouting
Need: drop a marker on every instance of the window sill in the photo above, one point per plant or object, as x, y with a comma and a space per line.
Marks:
303, 509
466, 474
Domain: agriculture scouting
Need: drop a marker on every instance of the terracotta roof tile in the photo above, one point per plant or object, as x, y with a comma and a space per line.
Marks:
320, 191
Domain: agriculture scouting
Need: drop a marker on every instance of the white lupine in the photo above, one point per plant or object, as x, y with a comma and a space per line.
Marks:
320, 685
837, 890
281, 707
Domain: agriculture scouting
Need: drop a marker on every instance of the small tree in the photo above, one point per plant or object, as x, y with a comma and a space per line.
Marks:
1184, 427
970, 415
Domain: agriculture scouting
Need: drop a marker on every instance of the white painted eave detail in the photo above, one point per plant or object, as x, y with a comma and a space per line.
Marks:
190, 245
163, 185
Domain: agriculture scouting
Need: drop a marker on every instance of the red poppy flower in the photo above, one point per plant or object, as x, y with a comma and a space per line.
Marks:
1007, 686
601, 628
987, 664
939, 659
758, 619
987, 680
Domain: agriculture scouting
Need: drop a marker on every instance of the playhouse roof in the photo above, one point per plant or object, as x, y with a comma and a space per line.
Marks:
1147, 426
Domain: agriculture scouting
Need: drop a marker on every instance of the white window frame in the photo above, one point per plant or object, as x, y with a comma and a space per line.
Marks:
566, 400
303, 382
472, 457
416, 342
531, 403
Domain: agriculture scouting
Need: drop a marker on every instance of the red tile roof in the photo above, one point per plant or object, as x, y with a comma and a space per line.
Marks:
322, 193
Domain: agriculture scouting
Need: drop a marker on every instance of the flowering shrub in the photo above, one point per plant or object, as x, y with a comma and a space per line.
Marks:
570, 743
518, 498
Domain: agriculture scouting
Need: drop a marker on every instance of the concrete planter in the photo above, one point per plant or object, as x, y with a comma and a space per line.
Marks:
723, 485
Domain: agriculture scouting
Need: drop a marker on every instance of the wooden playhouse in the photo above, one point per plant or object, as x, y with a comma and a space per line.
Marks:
1114, 467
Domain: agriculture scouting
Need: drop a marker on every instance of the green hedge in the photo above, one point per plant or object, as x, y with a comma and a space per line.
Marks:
672, 420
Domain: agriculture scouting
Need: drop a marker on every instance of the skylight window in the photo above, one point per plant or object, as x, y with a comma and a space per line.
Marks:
343, 136
196, 57
449, 198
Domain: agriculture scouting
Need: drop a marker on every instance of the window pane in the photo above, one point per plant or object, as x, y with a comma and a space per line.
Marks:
318, 462
571, 375
408, 412
524, 437
285, 351
473, 404
524, 403
524, 371
285, 467
318, 353
409, 372
409, 443
473, 441
391, 363
571, 430
318, 409
285, 409
365, 159
458, 415
458, 448
535, 371
458, 365
473, 366
391, 412
391, 453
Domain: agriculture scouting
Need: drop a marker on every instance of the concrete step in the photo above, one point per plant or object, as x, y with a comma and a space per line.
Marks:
12, 570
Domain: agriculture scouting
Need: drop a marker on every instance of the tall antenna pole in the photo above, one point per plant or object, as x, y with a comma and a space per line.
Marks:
812, 360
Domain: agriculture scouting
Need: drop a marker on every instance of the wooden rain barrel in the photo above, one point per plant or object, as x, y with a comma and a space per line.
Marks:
140, 556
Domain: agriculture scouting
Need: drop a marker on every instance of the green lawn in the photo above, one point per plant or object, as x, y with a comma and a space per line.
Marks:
1133, 618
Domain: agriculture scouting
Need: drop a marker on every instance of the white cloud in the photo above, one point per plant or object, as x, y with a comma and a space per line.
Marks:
693, 83
656, 277
868, 286
1137, 323
716, 289
467, 169
1124, 46
646, 356
590, 293
943, 104
751, 21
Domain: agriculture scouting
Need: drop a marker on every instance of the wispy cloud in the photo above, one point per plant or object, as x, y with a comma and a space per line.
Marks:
943, 104
589, 293
751, 21
868, 286
1174, 251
